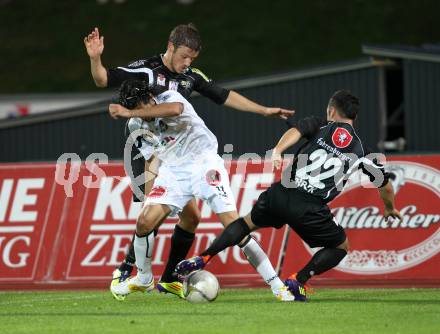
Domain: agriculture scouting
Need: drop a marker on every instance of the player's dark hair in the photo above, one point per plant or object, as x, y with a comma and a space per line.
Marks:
345, 103
133, 92
186, 35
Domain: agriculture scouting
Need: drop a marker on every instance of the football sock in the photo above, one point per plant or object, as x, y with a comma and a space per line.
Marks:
130, 259
143, 248
323, 260
231, 235
259, 260
181, 242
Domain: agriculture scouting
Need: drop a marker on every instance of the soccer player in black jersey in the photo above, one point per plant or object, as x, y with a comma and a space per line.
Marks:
171, 70
332, 152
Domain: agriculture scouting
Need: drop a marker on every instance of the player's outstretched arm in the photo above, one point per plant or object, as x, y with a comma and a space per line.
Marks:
239, 102
147, 111
387, 195
95, 47
289, 138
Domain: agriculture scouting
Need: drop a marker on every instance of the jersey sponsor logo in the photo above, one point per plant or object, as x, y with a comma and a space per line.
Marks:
416, 238
137, 63
161, 79
213, 177
333, 150
157, 192
341, 137
173, 85
185, 84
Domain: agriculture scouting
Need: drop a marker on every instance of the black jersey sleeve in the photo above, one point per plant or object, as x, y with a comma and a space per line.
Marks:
309, 126
374, 169
137, 70
207, 88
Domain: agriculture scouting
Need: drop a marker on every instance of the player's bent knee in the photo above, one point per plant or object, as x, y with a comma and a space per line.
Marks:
345, 245
190, 219
142, 225
250, 223
226, 218
146, 222
188, 225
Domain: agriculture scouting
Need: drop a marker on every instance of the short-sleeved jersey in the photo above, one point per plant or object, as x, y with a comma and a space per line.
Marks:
153, 71
176, 139
333, 152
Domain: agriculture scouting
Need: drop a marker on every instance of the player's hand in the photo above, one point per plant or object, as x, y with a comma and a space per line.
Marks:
277, 160
278, 112
94, 44
392, 213
116, 110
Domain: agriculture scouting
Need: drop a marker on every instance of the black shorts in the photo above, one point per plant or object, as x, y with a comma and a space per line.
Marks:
306, 214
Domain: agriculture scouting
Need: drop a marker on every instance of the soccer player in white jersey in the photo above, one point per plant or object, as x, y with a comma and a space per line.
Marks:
189, 167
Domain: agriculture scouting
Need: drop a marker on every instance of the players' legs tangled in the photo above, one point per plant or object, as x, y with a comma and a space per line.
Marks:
251, 248
181, 242
182, 239
237, 233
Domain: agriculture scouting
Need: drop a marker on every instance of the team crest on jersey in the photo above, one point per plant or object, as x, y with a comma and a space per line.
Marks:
185, 84
173, 85
161, 79
157, 192
213, 177
341, 138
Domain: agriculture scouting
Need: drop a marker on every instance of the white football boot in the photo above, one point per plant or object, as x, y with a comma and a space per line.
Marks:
283, 294
131, 285
117, 278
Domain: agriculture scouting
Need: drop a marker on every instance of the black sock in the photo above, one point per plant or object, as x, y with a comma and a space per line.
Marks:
181, 242
323, 260
130, 259
231, 235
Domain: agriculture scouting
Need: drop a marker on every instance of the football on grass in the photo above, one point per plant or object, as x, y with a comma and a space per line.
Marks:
200, 287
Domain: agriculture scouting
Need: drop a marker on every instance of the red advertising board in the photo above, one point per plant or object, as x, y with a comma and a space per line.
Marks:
27, 210
52, 235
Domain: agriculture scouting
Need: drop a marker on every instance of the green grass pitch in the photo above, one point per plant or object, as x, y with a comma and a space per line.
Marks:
235, 311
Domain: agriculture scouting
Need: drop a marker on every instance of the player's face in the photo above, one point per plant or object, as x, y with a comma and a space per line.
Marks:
181, 58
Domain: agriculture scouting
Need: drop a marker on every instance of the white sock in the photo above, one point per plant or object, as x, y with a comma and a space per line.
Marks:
259, 260
143, 250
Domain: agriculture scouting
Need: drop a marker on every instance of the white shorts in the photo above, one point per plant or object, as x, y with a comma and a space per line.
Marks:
205, 178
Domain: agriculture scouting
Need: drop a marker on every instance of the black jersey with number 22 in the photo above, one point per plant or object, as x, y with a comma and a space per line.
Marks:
333, 152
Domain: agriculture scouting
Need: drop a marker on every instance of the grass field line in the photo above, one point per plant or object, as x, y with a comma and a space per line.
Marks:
238, 311
39, 298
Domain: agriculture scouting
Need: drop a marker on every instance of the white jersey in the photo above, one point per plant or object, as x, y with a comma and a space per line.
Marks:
141, 129
190, 165
174, 139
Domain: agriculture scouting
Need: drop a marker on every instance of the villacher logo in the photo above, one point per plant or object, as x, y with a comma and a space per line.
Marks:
379, 246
